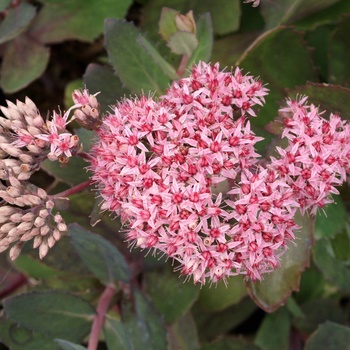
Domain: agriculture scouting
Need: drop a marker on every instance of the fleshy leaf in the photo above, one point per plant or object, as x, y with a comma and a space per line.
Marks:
16, 21
100, 256
75, 19
101, 79
67, 345
330, 336
20, 338
132, 63
278, 324
273, 291
205, 40
4, 4
223, 295
57, 314
167, 24
170, 296
143, 324
115, 334
24, 61
334, 270
183, 43
229, 343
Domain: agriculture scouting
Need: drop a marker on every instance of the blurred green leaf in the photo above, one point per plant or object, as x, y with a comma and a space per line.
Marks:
339, 54
288, 11
183, 43
334, 270
143, 324
75, 19
68, 91
329, 336
294, 308
86, 137
183, 334
16, 21
279, 65
4, 4
222, 295
24, 60
132, 63
273, 291
20, 338
67, 345
341, 244
167, 24
99, 255
57, 314
332, 220
330, 98
115, 334
229, 343
170, 296
205, 40
316, 312
101, 79
278, 324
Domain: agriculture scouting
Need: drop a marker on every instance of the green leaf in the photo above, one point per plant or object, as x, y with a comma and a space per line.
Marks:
183, 334
16, 21
4, 4
170, 296
20, 338
167, 23
67, 345
332, 220
99, 255
273, 291
101, 79
316, 312
75, 19
279, 65
339, 54
24, 60
329, 336
334, 270
132, 63
183, 43
68, 91
205, 40
288, 11
115, 334
230, 343
223, 295
278, 324
341, 244
57, 314
143, 324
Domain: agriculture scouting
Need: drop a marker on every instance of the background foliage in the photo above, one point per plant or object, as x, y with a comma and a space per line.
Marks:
50, 47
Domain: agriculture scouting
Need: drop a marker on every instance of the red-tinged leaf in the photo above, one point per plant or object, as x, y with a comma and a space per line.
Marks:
24, 61
273, 291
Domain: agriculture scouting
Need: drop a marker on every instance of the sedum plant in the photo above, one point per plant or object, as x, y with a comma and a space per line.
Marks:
219, 176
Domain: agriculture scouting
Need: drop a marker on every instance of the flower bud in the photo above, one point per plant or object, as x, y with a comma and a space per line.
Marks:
186, 23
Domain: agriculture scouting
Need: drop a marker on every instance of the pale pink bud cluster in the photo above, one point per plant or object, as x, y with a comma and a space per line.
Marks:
156, 165
317, 156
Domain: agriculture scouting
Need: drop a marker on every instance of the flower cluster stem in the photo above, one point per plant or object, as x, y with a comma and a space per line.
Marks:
74, 189
99, 319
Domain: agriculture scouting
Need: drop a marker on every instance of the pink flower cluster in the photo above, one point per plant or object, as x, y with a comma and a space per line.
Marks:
158, 165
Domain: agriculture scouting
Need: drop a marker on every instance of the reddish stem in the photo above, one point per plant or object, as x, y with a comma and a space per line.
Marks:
182, 67
73, 190
16, 282
99, 319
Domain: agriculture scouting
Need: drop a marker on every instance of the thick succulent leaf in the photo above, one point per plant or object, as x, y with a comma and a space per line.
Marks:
101, 79
183, 43
278, 324
329, 98
143, 324
183, 334
100, 256
16, 21
228, 343
330, 336
115, 334
279, 65
67, 345
24, 60
333, 269
288, 11
75, 19
57, 314
167, 23
4, 4
273, 291
170, 296
223, 295
339, 54
16, 337
132, 63
341, 244
205, 40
